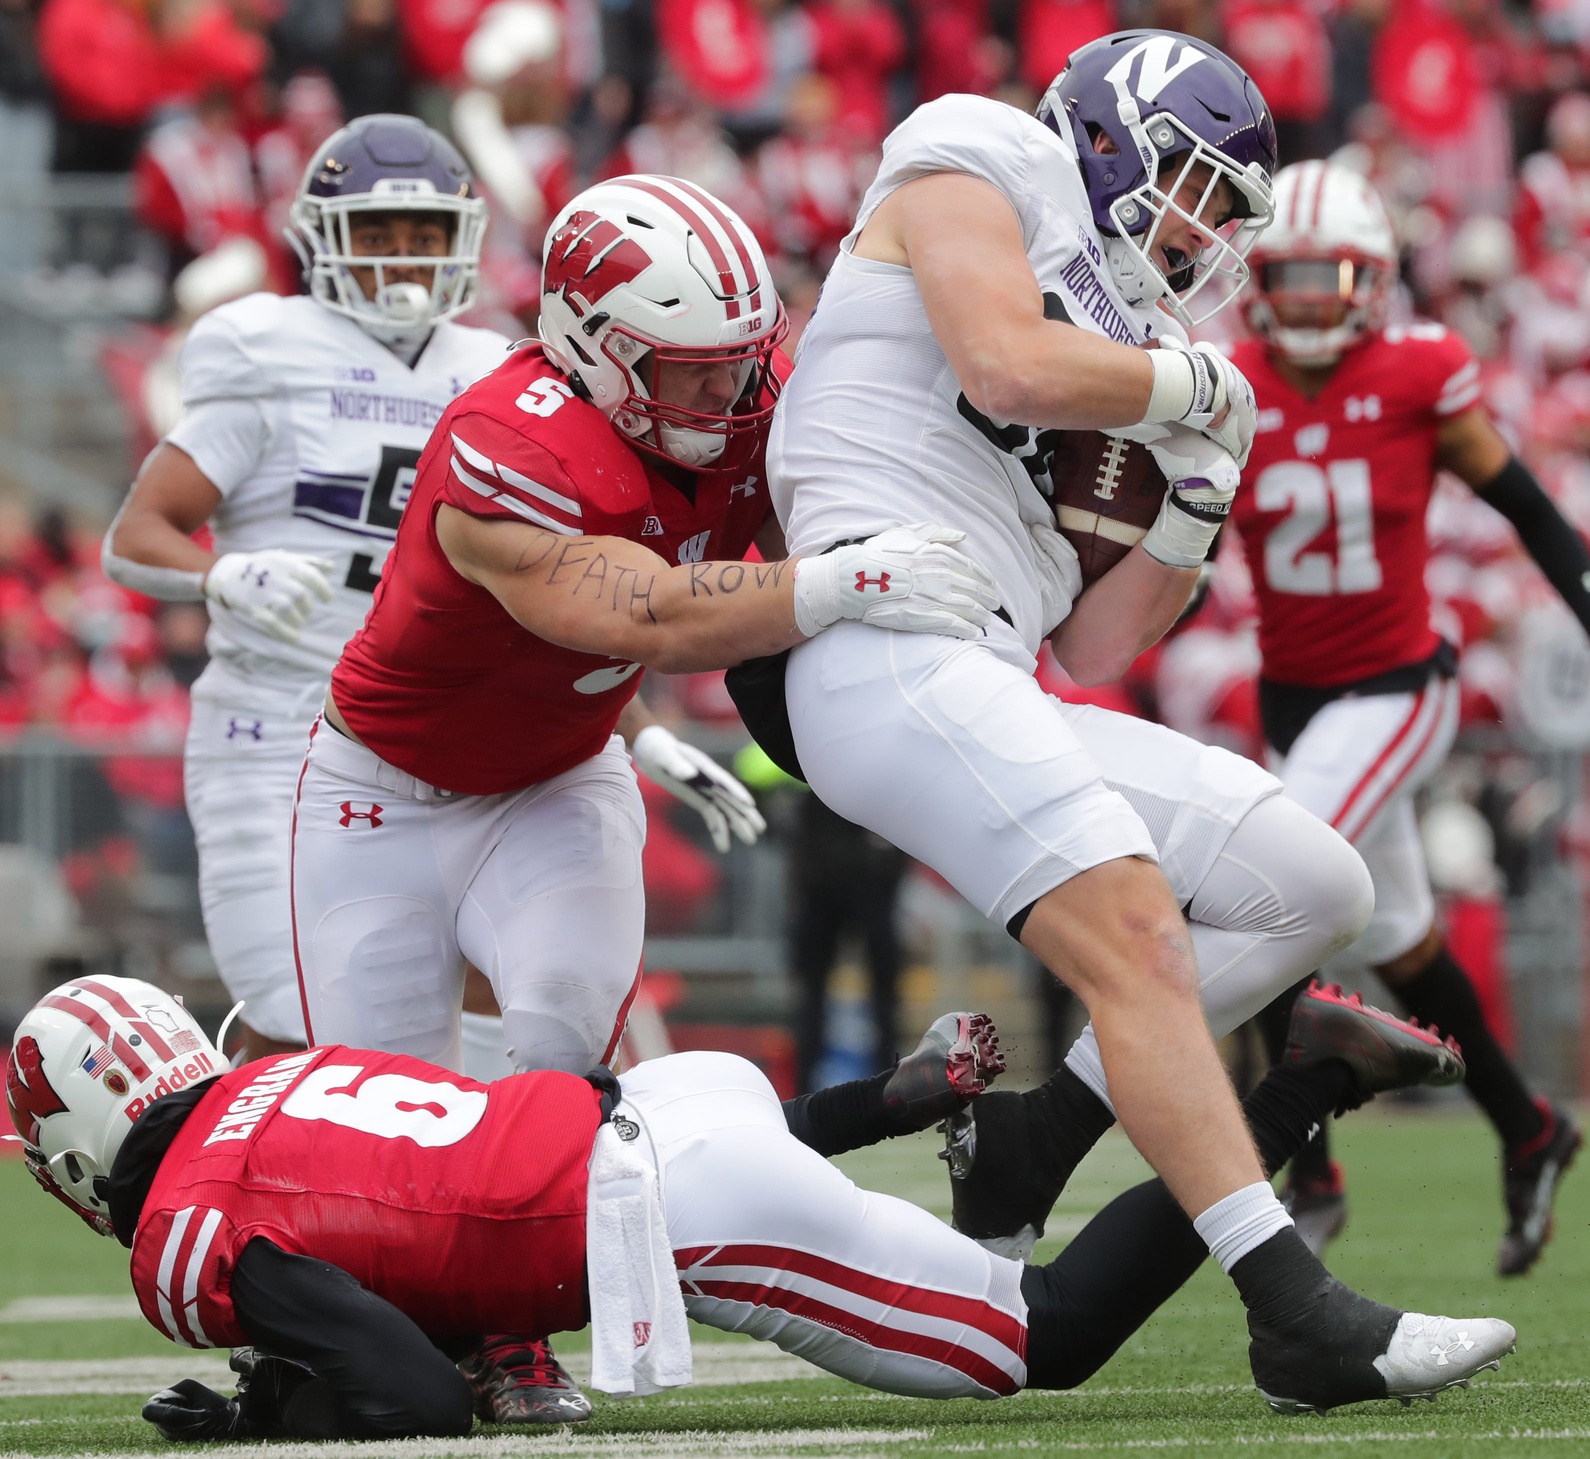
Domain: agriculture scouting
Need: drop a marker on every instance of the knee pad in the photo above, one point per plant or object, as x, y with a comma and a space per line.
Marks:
569, 1033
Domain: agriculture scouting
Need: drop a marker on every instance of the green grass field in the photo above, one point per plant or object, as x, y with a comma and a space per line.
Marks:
1425, 1218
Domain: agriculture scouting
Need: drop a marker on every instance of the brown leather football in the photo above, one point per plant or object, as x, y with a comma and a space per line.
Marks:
1107, 493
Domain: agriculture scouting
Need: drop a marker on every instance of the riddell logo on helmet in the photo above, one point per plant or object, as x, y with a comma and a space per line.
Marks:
201, 1066
590, 257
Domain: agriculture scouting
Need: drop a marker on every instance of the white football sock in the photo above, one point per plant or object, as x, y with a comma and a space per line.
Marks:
485, 1053
1245, 1219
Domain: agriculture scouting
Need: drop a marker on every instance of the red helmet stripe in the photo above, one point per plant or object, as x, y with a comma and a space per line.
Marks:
707, 235
119, 1046
160, 1048
721, 215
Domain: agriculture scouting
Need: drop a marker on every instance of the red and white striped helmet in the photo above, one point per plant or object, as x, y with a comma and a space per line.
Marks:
1331, 255
86, 1062
642, 271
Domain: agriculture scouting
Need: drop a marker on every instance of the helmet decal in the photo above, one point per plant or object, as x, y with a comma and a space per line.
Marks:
590, 257
1157, 70
28, 1089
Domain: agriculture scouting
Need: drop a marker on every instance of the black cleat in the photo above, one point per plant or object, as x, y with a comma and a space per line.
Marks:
1357, 1351
956, 1060
996, 1196
1530, 1174
1382, 1051
515, 1381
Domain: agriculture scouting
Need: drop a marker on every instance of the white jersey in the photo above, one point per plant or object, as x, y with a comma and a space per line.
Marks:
872, 430
311, 430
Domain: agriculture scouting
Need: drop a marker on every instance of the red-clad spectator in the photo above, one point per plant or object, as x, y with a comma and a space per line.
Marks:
194, 181
1283, 45
310, 112
954, 48
1553, 211
434, 35
112, 61
1049, 30
813, 175
859, 43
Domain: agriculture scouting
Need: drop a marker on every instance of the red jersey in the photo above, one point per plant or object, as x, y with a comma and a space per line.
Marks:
440, 681
1333, 502
462, 1204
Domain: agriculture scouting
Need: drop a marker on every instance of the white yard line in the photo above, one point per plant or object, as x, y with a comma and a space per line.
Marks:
69, 1309
568, 1443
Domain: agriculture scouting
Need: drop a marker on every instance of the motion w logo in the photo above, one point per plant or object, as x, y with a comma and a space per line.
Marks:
349, 815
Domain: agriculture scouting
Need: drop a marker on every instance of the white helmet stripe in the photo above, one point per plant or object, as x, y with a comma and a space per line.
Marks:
85, 1013
734, 231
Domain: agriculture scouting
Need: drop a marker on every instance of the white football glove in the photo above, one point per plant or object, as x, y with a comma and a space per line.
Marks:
1203, 481
273, 589
909, 578
1192, 385
701, 783
1059, 573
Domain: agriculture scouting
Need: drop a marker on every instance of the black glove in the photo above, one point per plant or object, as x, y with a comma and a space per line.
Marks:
265, 1384
188, 1411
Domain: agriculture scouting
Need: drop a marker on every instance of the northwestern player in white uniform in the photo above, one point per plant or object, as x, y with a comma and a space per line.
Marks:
303, 419
1002, 280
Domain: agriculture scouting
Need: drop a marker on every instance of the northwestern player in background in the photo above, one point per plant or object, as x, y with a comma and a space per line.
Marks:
1357, 689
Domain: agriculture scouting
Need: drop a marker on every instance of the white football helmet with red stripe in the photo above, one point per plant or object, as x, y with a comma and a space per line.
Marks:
642, 271
86, 1062
1324, 269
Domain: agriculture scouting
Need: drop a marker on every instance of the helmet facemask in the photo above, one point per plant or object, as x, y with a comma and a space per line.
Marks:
1172, 156
322, 235
1331, 300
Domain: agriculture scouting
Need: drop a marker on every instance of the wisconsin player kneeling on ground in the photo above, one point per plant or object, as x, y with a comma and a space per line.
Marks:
466, 797
360, 1216
1357, 690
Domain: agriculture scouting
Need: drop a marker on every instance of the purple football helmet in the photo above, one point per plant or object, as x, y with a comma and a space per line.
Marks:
1158, 95
387, 163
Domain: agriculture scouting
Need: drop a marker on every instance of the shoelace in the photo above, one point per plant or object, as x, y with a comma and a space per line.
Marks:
524, 1365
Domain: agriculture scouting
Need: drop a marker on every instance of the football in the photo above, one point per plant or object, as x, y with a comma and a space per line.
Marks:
1107, 493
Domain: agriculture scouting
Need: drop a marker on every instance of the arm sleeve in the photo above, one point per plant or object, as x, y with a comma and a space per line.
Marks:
377, 1375
227, 439
1547, 535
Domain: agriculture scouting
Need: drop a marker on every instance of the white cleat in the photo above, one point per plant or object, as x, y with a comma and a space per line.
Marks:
1427, 1355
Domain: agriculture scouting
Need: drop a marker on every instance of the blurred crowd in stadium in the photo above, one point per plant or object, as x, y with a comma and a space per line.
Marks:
1471, 116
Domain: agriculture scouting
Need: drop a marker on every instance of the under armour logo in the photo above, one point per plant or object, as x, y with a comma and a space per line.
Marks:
748, 486
253, 728
642, 1334
1461, 1343
259, 574
881, 582
349, 815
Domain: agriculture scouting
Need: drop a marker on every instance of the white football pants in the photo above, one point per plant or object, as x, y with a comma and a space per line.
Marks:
951, 750
396, 883
773, 1241
245, 747
1357, 766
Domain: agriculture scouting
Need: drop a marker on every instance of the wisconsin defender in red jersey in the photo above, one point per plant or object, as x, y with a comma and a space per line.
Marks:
361, 1216
1357, 692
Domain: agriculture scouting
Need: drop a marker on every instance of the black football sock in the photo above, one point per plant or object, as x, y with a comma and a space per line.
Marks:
1442, 995
1133, 1256
843, 1116
1313, 1159
1065, 1120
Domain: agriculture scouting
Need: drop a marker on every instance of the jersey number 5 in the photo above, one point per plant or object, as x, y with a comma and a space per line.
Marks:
389, 1106
1313, 498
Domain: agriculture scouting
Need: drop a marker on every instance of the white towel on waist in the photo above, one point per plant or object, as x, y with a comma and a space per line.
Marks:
640, 1340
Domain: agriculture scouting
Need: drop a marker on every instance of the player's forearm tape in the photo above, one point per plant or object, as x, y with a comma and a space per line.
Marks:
1182, 535
1547, 535
167, 583
1184, 385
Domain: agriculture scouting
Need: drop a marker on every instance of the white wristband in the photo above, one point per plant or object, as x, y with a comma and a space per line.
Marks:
1177, 538
1175, 383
